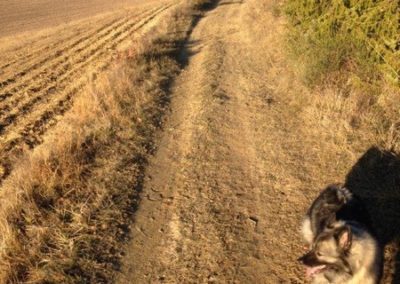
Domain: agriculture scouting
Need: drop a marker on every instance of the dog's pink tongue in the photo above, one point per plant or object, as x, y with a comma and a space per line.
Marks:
311, 271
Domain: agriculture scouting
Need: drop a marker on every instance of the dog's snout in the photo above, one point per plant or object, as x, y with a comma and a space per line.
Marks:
308, 259
301, 259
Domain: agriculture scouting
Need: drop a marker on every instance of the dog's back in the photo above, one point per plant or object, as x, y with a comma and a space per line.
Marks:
323, 211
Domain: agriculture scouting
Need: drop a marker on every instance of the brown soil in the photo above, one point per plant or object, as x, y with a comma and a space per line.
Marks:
40, 78
28, 15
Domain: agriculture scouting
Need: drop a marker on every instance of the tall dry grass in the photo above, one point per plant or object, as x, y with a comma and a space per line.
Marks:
65, 209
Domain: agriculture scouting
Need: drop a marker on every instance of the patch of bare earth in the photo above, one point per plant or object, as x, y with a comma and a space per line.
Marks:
244, 152
220, 204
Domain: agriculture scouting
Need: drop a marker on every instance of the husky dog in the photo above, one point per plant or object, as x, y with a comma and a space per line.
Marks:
343, 247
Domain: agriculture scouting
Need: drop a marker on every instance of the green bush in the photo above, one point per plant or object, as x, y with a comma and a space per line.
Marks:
336, 35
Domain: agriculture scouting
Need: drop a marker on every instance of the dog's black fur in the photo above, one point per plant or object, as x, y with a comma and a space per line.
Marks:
336, 203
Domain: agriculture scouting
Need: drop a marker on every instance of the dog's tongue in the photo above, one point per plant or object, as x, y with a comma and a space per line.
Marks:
311, 271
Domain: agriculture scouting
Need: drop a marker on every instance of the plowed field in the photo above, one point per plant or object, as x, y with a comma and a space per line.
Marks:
39, 77
28, 15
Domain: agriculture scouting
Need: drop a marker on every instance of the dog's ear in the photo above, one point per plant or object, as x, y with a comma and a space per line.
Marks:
344, 238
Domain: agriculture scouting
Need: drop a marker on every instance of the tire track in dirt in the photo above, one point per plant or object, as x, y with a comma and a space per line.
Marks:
180, 238
42, 110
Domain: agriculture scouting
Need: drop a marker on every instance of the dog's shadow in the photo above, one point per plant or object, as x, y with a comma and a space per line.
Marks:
375, 178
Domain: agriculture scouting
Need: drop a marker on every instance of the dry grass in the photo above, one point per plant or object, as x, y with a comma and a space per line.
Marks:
342, 117
349, 81
347, 87
65, 209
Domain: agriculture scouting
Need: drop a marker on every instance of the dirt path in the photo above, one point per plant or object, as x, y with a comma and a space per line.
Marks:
219, 205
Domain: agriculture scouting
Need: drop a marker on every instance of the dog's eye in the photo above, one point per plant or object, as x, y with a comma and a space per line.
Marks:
319, 253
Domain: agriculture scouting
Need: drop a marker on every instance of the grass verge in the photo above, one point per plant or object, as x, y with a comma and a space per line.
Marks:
66, 208
350, 48
360, 37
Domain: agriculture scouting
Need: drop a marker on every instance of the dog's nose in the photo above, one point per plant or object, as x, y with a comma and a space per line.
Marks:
301, 259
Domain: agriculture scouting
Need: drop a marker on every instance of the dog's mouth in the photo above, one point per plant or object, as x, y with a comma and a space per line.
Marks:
311, 271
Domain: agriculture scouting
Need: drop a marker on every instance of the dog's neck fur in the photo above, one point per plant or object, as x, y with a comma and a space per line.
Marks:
363, 252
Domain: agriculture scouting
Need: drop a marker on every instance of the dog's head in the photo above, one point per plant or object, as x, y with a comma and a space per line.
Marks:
330, 250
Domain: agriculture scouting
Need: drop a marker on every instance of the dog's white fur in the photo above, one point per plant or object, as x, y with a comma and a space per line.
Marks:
364, 256
306, 230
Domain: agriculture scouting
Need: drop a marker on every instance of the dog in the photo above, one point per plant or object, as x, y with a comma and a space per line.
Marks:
343, 247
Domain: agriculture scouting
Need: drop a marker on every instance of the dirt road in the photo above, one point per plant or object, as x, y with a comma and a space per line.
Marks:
223, 196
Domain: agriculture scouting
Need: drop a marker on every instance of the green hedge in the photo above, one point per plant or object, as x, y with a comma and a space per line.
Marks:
370, 28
